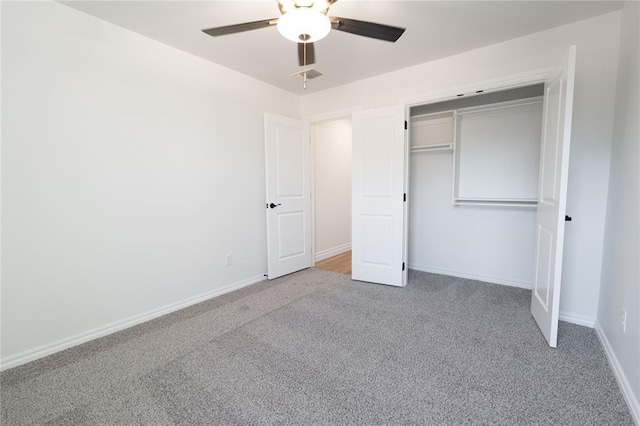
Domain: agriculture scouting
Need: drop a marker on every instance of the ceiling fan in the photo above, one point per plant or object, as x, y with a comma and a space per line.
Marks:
306, 21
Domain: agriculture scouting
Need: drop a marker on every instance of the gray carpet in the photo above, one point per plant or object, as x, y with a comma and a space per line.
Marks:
316, 348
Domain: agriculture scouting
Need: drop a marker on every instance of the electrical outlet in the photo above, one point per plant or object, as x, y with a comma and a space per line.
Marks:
624, 320
228, 260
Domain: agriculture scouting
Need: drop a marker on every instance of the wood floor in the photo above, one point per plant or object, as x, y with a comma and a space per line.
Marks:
340, 263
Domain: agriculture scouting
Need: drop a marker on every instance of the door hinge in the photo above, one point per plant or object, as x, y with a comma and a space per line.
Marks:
403, 266
405, 124
404, 197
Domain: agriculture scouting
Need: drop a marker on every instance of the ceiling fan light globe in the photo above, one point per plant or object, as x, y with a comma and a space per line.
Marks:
297, 24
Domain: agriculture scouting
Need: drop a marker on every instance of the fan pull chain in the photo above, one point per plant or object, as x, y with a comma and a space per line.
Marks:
304, 38
304, 61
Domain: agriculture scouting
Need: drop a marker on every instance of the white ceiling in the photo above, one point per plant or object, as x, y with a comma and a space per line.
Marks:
435, 29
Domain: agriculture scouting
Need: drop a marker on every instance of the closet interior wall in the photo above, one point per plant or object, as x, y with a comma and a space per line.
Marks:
488, 240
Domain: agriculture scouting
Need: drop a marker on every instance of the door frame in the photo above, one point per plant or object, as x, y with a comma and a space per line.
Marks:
477, 88
497, 84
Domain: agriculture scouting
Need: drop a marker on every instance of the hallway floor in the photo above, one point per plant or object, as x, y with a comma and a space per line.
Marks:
340, 263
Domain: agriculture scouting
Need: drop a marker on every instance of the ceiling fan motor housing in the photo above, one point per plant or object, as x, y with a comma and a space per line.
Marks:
321, 6
304, 25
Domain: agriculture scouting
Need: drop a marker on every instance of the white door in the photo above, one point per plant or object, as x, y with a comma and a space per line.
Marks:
552, 196
378, 196
288, 199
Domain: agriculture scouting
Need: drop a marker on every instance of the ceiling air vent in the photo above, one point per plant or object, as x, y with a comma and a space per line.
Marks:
311, 74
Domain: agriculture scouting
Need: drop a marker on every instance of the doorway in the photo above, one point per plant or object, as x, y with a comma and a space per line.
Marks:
331, 150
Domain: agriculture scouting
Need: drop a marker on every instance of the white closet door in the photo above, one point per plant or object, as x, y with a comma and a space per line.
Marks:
378, 196
288, 206
552, 196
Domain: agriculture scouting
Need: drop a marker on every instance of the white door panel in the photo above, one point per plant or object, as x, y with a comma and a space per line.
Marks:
552, 196
288, 195
378, 196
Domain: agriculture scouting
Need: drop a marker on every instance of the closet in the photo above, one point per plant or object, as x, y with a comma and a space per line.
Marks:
474, 165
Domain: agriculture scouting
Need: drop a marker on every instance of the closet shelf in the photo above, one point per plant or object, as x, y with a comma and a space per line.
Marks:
519, 202
439, 147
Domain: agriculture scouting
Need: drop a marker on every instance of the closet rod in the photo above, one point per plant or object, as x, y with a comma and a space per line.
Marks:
500, 203
449, 113
499, 106
439, 147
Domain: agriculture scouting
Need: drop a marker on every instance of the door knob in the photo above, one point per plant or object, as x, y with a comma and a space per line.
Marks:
273, 206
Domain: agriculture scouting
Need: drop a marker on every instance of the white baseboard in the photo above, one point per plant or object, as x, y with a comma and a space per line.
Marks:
576, 319
471, 276
625, 387
325, 254
68, 342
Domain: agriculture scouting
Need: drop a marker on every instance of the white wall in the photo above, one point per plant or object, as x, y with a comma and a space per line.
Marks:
597, 45
494, 244
332, 192
129, 170
621, 266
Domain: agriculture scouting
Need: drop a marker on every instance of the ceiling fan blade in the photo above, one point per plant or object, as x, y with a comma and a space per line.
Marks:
311, 54
366, 29
238, 28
